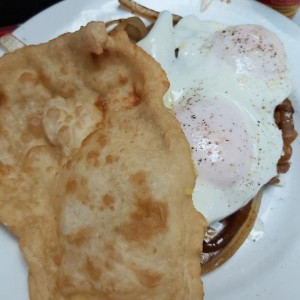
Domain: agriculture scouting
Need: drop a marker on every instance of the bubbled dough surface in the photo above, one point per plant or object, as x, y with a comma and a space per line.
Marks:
95, 172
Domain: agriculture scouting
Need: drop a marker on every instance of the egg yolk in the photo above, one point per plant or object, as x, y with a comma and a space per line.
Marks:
219, 138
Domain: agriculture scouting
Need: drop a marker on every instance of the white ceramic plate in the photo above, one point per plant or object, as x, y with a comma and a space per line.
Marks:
267, 266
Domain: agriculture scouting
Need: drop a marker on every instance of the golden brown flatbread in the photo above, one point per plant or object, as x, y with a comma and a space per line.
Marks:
96, 174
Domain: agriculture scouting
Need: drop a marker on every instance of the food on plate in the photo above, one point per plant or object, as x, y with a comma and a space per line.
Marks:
226, 84
234, 77
96, 173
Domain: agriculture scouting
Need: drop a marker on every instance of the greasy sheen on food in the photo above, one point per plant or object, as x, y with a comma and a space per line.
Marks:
96, 174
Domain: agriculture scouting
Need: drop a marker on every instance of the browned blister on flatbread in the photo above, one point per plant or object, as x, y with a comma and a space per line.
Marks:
96, 173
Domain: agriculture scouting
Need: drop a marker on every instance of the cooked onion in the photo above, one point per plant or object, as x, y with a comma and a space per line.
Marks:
134, 27
144, 11
10, 43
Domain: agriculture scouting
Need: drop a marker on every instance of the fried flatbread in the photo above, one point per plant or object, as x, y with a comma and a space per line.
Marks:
96, 174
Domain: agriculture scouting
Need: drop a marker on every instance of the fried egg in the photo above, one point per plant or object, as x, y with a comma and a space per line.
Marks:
225, 82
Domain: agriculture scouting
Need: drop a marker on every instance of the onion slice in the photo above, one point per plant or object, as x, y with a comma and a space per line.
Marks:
134, 26
10, 43
144, 11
